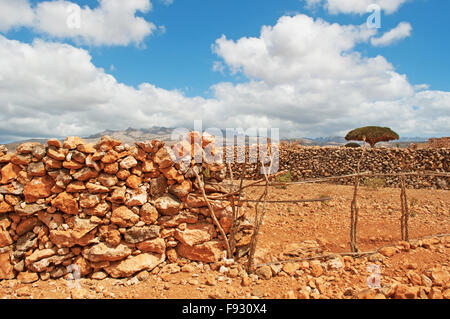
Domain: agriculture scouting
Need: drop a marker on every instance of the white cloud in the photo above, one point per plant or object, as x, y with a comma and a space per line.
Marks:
305, 77
400, 32
356, 6
113, 22
166, 2
14, 14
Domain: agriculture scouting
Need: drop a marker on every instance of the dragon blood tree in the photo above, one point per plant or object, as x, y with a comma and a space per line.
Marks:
372, 135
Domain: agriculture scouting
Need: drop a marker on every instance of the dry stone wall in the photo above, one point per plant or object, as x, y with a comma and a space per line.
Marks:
318, 162
109, 209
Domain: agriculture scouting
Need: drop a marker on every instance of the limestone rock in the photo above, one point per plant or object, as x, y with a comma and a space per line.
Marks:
168, 205
136, 235
195, 234
66, 203
124, 217
6, 268
134, 264
208, 252
103, 252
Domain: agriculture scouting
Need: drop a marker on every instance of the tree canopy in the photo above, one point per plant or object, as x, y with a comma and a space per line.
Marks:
372, 135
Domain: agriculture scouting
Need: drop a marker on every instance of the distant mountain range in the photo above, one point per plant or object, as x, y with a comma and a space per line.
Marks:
131, 135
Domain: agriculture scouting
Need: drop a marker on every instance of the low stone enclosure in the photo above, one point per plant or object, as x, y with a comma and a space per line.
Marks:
314, 162
108, 209
112, 209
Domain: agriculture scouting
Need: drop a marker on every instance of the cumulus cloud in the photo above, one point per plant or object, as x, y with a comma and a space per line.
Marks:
400, 32
355, 6
15, 14
303, 76
111, 23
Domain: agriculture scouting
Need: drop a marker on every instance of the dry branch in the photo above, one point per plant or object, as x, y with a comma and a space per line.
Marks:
213, 215
333, 255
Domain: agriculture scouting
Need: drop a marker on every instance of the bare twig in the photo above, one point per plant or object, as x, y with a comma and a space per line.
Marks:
354, 205
405, 210
213, 215
333, 255
291, 201
365, 174
233, 207
259, 221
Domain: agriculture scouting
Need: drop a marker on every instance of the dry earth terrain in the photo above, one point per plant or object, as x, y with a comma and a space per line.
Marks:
418, 269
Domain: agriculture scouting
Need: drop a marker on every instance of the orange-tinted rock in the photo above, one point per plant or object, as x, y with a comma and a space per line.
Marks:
118, 195
72, 142
66, 203
106, 143
51, 163
157, 245
27, 277
85, 174
195, 234
388, 251
148, 213
20, 159
148, 166
86, 148
134, 264
133, 181
9, 172
5, 238
12, 200
181, 190
168, 205
37, 169
107, 180
137, 197
6, 158
102, 252
124, 217
96, 189
150, 146
6, 208
88, 200
78, 157
316, 269
83, 265
6, 268
54, 142
26, 225
158, 186
112, 168
100, 210
406, 292
172, 173
163, 158
123, 174
128, 162
110, 157
75, 187
39, 187
208, 252
57, 155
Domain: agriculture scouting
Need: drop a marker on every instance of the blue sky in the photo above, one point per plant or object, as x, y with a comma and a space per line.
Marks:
181, 58
178, 56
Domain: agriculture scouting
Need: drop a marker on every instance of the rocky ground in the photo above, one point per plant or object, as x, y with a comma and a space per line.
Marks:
418, 269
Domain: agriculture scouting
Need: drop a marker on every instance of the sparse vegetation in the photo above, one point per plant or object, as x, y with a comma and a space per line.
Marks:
285, 178
374, 183
352, 144
372, 135
412, 207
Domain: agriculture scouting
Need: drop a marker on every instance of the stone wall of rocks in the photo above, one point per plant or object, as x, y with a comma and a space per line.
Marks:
107, 209
318, 162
